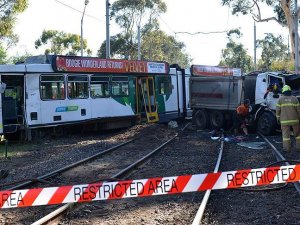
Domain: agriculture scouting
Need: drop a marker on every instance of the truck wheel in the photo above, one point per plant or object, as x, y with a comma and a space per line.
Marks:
216, 119
201, 119
266, 123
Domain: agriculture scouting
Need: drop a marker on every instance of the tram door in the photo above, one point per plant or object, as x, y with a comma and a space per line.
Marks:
146, 99
2, 88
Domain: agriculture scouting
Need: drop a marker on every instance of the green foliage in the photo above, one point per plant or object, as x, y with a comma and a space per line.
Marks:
245, 7
61, 43
8, 11
3, 55
274, 52
155, 44
19, 58
235, 55
287, 65
131, 13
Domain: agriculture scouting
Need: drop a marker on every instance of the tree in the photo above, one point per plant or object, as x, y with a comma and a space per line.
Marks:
235, 55
19, 58
283, 12
9, 9
155, 44
273, 50
3, 55
61, 43
131, 14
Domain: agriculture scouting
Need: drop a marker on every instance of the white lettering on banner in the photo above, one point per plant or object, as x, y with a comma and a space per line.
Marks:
73, 63
86, 63
156, 67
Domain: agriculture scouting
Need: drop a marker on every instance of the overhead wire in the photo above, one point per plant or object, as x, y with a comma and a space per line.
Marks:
77, 10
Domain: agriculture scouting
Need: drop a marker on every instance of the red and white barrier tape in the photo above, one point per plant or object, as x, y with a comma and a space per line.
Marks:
149, 187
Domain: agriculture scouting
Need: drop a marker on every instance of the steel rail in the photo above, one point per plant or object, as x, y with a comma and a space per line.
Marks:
56, 213
279, 157
199, 215
55, 172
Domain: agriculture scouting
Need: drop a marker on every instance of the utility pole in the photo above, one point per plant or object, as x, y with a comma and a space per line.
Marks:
107, 31
254, 46
139, 42
81, 37
296, 38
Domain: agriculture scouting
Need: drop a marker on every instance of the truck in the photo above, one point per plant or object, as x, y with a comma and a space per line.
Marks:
216, 92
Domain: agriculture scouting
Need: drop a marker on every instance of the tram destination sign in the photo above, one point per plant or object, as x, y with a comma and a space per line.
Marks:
96, 65
201, 70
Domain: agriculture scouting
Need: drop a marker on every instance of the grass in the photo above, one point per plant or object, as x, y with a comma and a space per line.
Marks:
14, 149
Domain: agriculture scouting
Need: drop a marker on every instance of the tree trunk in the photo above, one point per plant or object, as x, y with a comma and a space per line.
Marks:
291, 26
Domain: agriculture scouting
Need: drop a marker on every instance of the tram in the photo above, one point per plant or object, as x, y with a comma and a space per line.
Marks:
53, 91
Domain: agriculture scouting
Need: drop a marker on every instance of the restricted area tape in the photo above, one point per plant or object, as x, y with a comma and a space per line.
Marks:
149, 187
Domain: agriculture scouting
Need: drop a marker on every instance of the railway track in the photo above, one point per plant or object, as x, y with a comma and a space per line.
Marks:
113, 159
255, 205
119, 175
156, 209
188, 153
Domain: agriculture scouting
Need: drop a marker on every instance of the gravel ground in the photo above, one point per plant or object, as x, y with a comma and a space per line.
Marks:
252, 207
191, 153
52, 154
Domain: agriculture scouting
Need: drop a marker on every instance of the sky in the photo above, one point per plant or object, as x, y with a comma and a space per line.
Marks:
182, 16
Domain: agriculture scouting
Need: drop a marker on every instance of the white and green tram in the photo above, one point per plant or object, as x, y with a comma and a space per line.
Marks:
58, 91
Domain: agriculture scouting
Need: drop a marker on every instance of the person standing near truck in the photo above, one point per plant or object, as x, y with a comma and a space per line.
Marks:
288, 115
240, 117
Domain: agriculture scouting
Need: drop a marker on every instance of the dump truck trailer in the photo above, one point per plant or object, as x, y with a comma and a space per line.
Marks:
216, 92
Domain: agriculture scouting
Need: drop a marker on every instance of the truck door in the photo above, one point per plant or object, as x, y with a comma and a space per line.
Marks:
146, 99
272, 97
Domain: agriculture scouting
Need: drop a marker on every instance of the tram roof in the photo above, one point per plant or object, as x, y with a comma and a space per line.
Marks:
26, 68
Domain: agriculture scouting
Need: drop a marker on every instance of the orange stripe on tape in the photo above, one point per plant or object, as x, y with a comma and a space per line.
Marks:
120, 189
29, 197
295, 175
60, 194
181, 183
209, 181
150, 186
239, 178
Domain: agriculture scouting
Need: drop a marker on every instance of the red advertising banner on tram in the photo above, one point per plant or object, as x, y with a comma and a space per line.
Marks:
96, 65
200, 70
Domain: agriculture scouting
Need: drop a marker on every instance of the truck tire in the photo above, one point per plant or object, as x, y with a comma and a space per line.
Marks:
201, 119
266, 123
216, 119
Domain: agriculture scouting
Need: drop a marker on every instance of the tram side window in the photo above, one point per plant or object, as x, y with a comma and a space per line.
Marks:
52, 87
78, 86
119, 86
99, 87
164, 85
